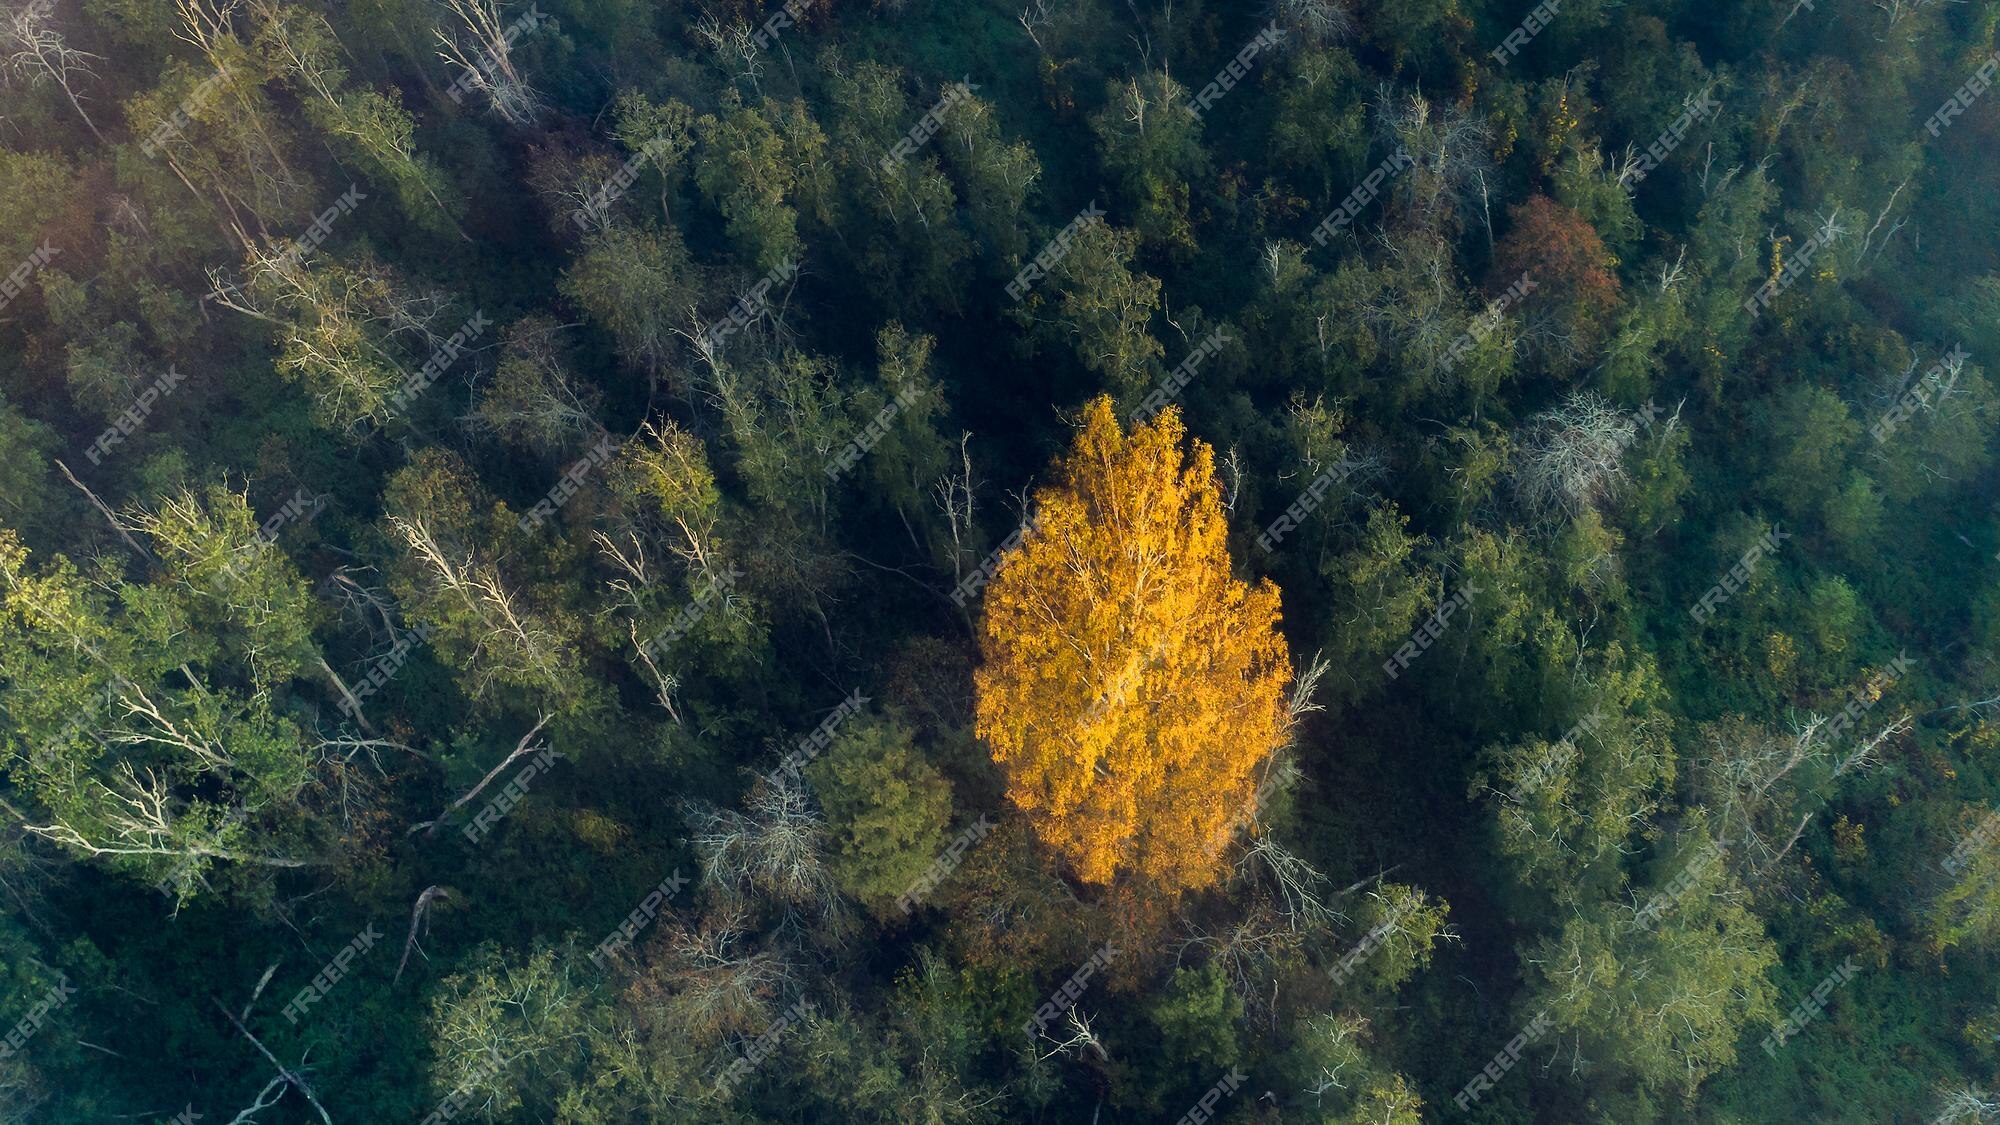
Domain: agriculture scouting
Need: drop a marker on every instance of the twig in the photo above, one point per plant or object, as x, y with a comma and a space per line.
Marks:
108, 514
417, 916
297, 1081
258, 991
525, 746
347, 694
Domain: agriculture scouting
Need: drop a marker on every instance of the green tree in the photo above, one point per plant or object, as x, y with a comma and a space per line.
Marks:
25, 445
507, 640
640, 284
1105, 309
135, 737
1150, 139
1656, 999
367, 125
537, 1034
1331, 1077
993, 175
1197, 1018
1380, 588
886, 810
1569, 809
750, 169
1966, 910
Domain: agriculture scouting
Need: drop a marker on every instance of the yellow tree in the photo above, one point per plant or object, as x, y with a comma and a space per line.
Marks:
1131, 686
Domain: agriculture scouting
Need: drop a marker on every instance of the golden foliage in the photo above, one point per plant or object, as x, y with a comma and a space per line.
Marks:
1130, 684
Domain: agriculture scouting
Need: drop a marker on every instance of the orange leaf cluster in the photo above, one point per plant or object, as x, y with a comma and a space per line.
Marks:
1131, 685
1562, 252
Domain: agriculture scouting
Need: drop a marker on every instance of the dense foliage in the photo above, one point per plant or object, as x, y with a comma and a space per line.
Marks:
642, 560
1131, 687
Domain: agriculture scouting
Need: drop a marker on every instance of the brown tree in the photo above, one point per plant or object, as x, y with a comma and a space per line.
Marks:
1568, 312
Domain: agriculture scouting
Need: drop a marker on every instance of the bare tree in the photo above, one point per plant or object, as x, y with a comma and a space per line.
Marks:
1450, 149
1339, 1030
1417, 306
1231, 470
533, 399
1941, 384
433, 893
527, 745
1252, 952
305, 44
954, 494
34, 50
272, 1093
1572, 458
482, 48
625, 549
1316, 21
709, 981
573, 185
133, 816
1869, 241
1034, 17
1080, 1036
287, 1074
368, 605
1797, 7
1304, 686
1897, 11
736, 48
509, 643
1298, 883
250, 128
341, 327
777, 846
1968, 1106
1750, 776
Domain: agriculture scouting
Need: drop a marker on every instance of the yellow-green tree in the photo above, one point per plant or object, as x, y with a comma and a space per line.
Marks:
1131, 686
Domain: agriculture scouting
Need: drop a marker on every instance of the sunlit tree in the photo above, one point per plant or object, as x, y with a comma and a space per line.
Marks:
1132, 685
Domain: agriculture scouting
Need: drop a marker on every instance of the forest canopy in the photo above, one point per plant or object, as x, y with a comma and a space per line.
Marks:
1060, 561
